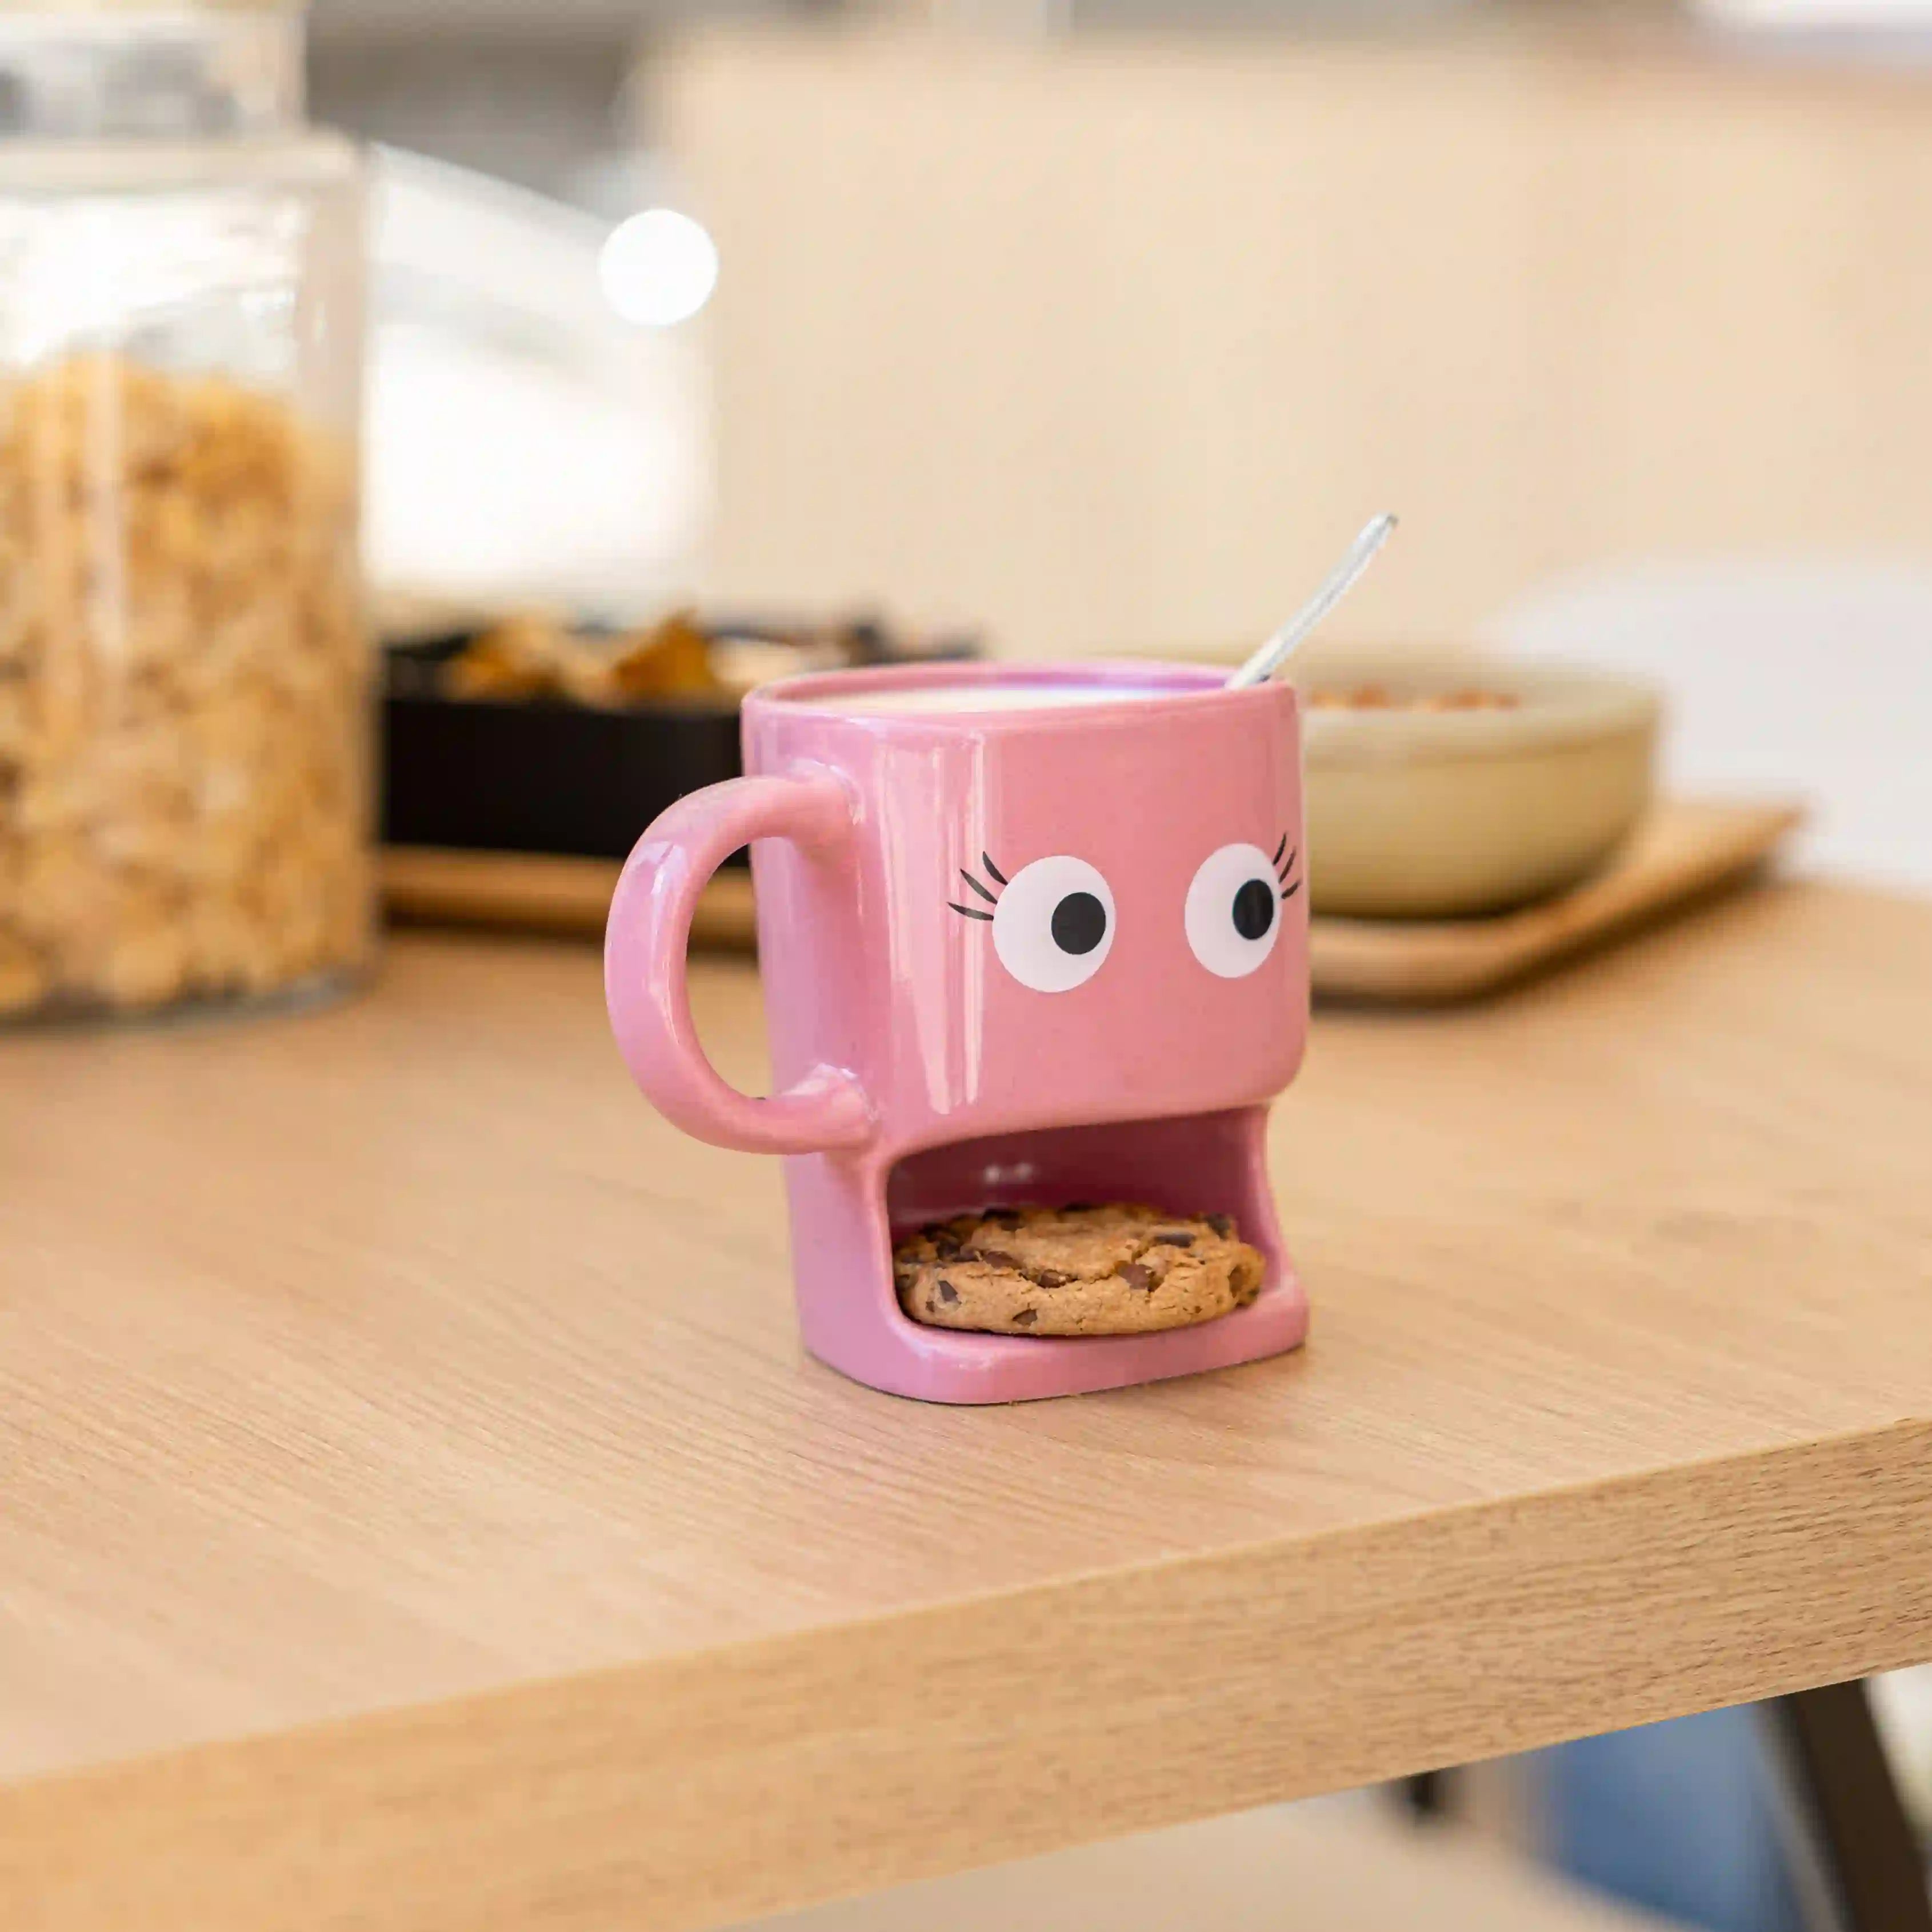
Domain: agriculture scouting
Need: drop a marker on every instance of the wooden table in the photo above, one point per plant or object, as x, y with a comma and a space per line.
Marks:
417, 1512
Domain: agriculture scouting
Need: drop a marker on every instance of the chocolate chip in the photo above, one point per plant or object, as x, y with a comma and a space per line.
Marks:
1222, 1225
1078, 1207
1026, 1318
997, 1257
946, 1247
947, 1292
1134, 1276
1048, 1277
1173, 1237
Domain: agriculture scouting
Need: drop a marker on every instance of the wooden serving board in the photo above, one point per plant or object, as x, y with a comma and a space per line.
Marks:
539, 892
1684, 850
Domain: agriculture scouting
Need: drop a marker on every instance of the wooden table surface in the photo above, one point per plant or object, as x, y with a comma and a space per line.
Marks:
417, 1512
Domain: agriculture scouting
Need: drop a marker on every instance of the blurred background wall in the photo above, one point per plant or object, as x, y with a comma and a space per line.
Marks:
1105, 333
1113, 338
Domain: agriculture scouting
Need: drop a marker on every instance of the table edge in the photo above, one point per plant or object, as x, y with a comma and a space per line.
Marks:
697, 1789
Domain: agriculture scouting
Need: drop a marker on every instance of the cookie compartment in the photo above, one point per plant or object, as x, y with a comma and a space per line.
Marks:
1189, 1165
849, 1213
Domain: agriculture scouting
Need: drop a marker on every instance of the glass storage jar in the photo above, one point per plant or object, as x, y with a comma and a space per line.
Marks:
185, 708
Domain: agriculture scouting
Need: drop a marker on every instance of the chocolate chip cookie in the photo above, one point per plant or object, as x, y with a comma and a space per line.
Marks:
1079, 1270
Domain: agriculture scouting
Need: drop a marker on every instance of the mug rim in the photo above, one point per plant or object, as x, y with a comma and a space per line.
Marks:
1158, 684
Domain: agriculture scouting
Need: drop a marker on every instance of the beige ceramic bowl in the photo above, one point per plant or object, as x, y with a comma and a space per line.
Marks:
1434, 814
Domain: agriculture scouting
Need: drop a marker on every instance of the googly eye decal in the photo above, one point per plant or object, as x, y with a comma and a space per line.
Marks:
1233, 913
1053, 921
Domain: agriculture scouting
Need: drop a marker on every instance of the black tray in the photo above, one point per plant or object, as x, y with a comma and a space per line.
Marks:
536, 775
539, 775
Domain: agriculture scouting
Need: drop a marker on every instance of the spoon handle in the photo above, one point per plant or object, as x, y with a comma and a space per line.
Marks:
1334, 587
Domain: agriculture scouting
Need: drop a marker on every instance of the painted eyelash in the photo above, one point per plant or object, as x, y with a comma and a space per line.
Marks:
993, 872
1282, 868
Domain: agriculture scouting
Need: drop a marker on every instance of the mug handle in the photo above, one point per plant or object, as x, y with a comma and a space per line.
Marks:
645, 941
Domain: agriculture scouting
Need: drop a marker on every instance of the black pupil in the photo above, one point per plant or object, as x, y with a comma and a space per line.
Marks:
1079, 923
1254, 910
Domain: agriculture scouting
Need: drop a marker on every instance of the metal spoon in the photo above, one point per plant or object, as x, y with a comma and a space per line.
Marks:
1335, 586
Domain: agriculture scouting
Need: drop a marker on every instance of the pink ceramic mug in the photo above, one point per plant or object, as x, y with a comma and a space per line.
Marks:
1027, 935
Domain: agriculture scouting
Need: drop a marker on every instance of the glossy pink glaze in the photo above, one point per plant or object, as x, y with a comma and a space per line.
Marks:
647, 933
915, 1075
